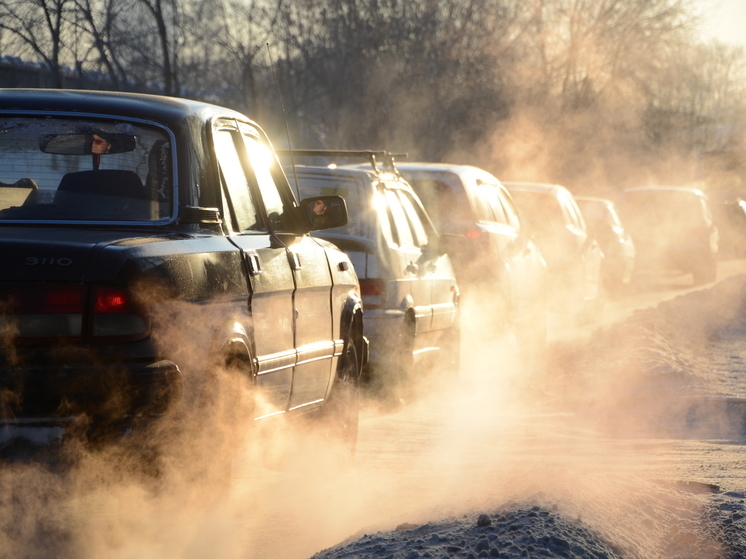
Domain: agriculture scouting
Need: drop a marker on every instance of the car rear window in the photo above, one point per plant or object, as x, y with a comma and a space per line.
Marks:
72, 169
541, 212
444, 201
349, 189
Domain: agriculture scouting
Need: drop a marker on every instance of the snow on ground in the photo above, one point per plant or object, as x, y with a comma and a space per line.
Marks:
669, 383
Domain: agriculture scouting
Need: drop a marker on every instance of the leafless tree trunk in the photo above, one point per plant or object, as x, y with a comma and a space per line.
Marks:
38, 27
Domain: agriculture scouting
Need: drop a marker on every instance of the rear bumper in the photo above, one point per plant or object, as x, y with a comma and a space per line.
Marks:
49, 395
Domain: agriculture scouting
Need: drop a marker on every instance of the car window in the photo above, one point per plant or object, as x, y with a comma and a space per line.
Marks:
511, 214
84, 169
262, 160
402, 231
380, 206
541, 212
227, 144
491, 197
570, 210
613, 216
415, 220
348, 188
481, 204
445, 203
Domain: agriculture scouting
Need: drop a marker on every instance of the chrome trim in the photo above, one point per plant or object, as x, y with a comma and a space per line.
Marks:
315, 352
307, 404
276, 362
274, 413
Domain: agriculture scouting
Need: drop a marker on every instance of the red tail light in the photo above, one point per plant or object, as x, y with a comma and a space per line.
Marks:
473, 234
64, 300
118, 315
110, 300
49, 311
373, 292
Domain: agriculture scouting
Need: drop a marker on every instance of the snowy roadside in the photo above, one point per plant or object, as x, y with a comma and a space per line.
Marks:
649, 462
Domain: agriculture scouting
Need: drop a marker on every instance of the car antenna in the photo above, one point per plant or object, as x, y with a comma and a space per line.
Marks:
285, 119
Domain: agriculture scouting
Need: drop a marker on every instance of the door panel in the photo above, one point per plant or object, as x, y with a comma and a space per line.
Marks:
269, 275
313, 322
311, 300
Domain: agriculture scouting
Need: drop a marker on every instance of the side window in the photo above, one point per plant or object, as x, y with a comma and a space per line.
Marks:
493, 199
381, 207
566, 204
234, 180
481, 205
399, 218
261, 160
511, 214
578, 217
415, 221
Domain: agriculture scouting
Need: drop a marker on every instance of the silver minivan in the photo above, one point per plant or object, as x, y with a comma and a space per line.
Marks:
408, 286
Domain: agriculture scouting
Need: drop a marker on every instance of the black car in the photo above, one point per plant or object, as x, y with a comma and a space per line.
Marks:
147, 243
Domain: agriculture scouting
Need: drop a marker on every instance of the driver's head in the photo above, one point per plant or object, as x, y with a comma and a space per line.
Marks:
99, 145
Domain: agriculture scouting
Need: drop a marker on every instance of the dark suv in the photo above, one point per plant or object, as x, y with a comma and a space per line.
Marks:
149, 242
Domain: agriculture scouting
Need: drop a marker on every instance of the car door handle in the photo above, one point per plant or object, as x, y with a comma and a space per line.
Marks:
295, 261
254, 267
412, 268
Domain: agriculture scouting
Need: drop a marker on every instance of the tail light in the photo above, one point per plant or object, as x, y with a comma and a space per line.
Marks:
118, 315
373, 292
49, 311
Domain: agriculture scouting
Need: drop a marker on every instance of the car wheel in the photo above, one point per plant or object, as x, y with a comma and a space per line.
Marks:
340, 414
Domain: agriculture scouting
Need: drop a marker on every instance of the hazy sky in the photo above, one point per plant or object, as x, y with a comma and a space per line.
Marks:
727, 20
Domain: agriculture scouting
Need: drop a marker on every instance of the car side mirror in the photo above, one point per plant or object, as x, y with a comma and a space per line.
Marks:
324, 212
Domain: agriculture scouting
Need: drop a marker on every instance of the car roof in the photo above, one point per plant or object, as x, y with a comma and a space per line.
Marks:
534, 187
455, 168
594, 199
465, 173
156, 108
350, 171
691, 190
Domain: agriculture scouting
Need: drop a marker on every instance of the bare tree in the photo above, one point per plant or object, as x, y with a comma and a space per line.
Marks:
38, 27
420, 74
100, 21
232, 35
164, 15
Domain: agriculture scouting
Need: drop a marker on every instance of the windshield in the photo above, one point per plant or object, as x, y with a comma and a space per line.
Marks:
71, 169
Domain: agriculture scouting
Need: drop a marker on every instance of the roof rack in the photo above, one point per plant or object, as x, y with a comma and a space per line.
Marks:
385, 158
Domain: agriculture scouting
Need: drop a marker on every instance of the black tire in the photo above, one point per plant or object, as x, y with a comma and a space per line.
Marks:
341, 412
